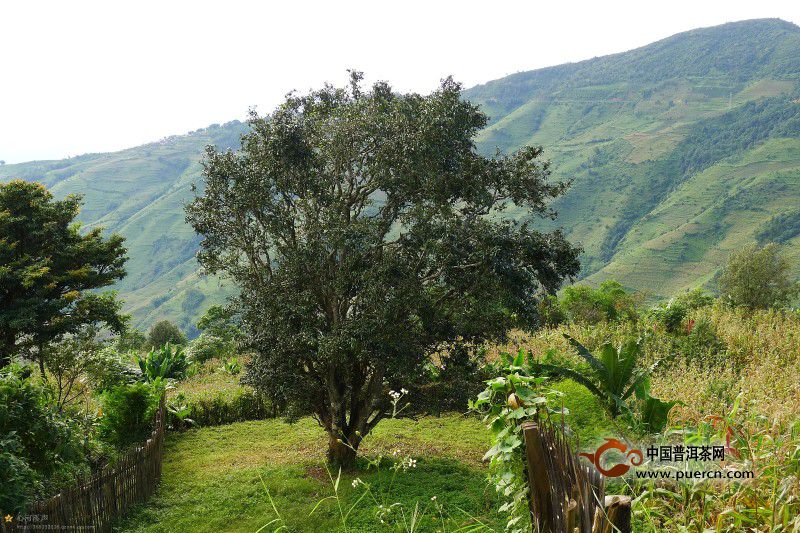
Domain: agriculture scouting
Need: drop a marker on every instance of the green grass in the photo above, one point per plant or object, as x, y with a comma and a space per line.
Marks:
587, 419
212, 478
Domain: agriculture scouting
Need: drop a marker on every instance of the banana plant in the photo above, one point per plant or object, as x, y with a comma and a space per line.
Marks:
614, 377
166, 362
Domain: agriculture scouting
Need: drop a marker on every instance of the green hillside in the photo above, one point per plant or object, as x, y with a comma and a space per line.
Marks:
679, 152
140, 193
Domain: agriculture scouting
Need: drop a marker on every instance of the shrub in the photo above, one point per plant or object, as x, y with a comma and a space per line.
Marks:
128, 412
758, 278
231, 366
40, 448
227, 408
695, 299
507, 400
671, 315
165, 332
609, 302
702, 347
207, 346
168, 362
111, 369
551, 314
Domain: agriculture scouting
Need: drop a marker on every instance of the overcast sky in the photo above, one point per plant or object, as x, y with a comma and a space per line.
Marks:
80, 77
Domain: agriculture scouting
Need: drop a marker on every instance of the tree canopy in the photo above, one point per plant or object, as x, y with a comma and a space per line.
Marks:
758, 278
364, 233
165, 332
50, 270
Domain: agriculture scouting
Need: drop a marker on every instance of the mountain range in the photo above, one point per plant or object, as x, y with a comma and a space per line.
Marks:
679, 152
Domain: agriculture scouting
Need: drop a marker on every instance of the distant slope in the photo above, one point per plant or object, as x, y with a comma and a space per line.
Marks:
668, 132
680, 152
140, 193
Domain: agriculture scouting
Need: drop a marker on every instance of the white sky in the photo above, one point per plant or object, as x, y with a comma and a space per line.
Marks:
79, 76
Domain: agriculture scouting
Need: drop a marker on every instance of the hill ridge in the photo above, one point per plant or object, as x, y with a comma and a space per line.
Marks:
679, 151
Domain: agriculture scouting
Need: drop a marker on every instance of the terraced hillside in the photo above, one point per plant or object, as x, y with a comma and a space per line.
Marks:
679, 152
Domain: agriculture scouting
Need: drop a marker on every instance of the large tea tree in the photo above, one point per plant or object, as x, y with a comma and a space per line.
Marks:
365, 233
50, 271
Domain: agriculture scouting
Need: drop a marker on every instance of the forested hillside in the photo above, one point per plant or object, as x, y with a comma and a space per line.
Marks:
679, 152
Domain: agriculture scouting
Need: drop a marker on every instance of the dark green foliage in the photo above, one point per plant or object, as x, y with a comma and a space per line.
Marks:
781, 228
586, 305
167, 362
40, 447
551, 312
717, 138
354, 224
702, 346
229, 408
164, 332
218, 337
758, 278
51, 271
128, 413
449, 386
671, 315
219, 322
653, 413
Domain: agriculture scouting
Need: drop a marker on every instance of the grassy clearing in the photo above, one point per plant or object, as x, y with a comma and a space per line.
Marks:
212, 477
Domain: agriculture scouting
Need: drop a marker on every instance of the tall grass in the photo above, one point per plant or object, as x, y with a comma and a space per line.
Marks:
723, 364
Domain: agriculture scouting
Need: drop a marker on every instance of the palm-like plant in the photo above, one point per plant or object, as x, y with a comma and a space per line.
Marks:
166, 362
614, 377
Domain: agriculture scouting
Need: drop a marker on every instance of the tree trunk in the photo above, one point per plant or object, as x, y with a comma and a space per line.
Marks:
340, 453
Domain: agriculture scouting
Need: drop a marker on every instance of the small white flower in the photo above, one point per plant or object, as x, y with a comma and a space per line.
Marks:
404, 391
356, 482
433, 498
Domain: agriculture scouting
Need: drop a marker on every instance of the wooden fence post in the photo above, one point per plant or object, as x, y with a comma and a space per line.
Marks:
540, 504
616, 516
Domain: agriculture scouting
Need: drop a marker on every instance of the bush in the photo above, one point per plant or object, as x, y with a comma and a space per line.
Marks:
112, 368
207, 346
702, 347
128, 412
551, 313
168, 362
227, 408
758, 278
609, 302
40, 448
671, 315
165, 332
695, 299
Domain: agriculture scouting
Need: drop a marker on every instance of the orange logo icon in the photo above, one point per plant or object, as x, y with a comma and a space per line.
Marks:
634, 458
